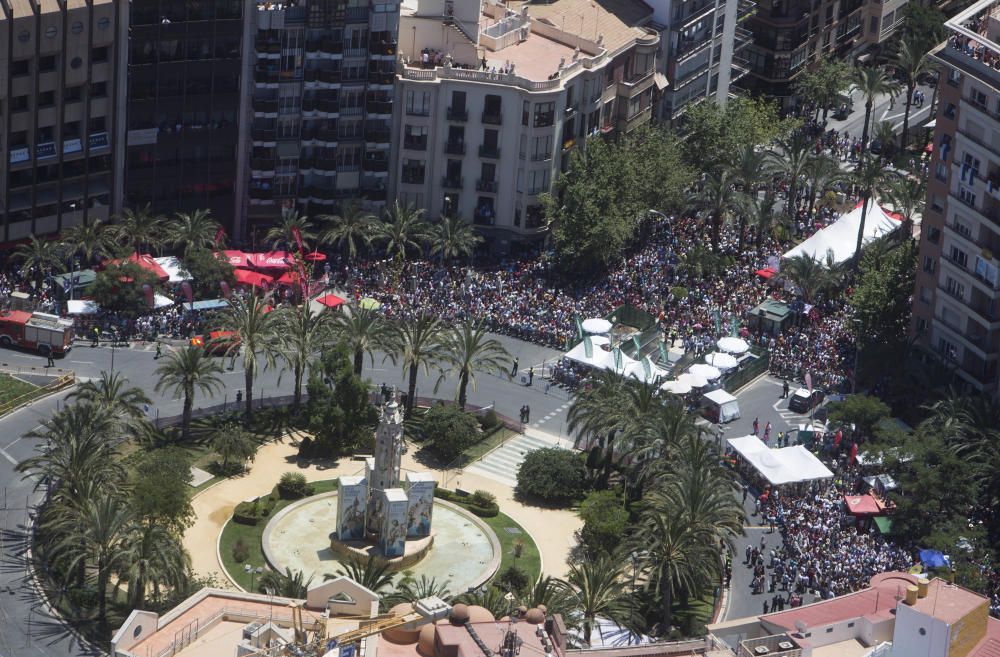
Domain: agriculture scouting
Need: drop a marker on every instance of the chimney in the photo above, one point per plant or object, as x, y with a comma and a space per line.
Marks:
922, 584
911, 595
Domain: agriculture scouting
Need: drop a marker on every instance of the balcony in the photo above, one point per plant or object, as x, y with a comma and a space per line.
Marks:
454, 147
381, 77
415, 143
356, 14
325, 164
330, 77
331, 47
458, 114
413, 177
418, 111
265, 77
541, 157
262, 134
634, 87
491, 117
490, 151
378, 107
488, 186
312, 46
265, 106
327, 134
267, 46
310, 75
382, 48
630, 123
782, 19
451, 183
327, 105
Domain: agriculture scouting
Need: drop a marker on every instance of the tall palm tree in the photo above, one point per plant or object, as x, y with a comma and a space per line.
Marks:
39, 256
364, 331
302, 333
822, 172
762, 220
255, 327
283, 233
191, 231
598, 590
372, 573
911, 60
717, 198
871, 81
749, 173
908, 195
452, 238
91, 240
153, 557
113, 394
138, 228
349, 229
184, 372
467, 348
791, 161
402, 231
418, 344
808, 274
870, 177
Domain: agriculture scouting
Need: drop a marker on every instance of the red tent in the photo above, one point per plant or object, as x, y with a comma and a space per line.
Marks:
289, 278
862, 505
766, 272
247, 277
236, 258
147, 262
271, 260
330, 300
315, 256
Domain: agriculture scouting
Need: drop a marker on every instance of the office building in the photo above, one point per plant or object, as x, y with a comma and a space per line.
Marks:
60, 72
956, 303
321, 105
493, 98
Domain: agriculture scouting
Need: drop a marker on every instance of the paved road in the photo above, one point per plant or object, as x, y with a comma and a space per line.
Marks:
882, 112
26, 629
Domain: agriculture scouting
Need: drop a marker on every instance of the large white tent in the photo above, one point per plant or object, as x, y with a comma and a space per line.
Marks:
599, 358
175, 270
788, 465
841, 237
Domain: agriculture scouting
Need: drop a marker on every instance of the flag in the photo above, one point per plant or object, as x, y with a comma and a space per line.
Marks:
617, 353
809, 382
579, 326
663, 352
224, 286
219, 236
638, 347
147, 290
647, 368
588, 346
297, 234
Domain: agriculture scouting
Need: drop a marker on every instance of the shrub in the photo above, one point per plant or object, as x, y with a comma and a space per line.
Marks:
513, 579
489, 420
293, 486
604, 520
240, 551
247, 513
552, 475
680, 293
450, 431
483, 498
489, 510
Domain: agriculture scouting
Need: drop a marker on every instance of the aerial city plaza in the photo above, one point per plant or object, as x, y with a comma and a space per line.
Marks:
481, 328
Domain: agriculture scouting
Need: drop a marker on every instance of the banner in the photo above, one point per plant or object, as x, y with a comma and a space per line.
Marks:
617, 353
647, 368
579, 326
352, 494
638, 347
663, 352
297, 234
224, 286
219, 235
392, 536
588, 346
147, 290
188, 293
420, 504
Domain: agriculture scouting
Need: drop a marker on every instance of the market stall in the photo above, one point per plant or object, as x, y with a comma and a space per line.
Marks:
787, 465
720, 406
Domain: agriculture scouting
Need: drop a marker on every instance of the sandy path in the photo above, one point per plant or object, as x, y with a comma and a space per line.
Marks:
552, 530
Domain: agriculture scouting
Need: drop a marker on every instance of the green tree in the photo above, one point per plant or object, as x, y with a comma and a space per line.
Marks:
111, 392
160, 483
153, 557
351, 228
718, 200
869, 178
821, 86
302, 333
809, 275
138, 228
552, 475
749, 173
207, 271
191, 231
450, 431
791, 160
923, 25
119, 288
911, 60
338, 411
402, 231
411, 589
232, 443
418, 344
288, 584
185, 372
466, 349
822, 172
871, 81
372, 573
364, 331
255, 327
39, 256
452, 238
863, 411
882, 292
91, 241
597, 591
605, 520
282, 234
908, 195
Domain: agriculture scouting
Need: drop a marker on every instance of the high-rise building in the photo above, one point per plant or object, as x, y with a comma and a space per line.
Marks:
60, 72
703, 44
956, 303
493, 98
183, 106
321, 106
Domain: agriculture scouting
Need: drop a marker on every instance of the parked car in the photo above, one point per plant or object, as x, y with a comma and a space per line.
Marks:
802, 401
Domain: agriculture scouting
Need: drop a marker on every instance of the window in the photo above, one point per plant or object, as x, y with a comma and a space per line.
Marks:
538, 181
18, 103
954, 77
525, 111
921, 325
418, 103
959, 257
413, 172
98, 124
961, 228
929, 264
46, 63
978, 97
933, 234
544, 114
72, 94
20, 67
99, 54
966, 195
941, 172
950, 352
954, 288
47, 99
936, 203
541, 148
949, 110
415, 137
99, 90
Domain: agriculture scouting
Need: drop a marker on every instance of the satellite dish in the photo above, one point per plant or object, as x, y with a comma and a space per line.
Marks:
801, 626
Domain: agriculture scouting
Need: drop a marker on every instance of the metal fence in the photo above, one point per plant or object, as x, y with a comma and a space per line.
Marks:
227, 406
750, 371
61, 382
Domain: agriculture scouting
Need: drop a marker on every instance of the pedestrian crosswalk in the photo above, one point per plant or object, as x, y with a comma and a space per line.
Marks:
551, 415
502, 463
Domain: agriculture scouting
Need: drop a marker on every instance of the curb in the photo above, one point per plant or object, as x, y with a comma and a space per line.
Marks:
218, 555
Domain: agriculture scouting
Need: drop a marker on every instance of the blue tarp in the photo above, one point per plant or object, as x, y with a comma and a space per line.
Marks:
934, 559
209, 304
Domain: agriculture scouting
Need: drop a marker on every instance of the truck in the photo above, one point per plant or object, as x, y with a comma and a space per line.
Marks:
41, 332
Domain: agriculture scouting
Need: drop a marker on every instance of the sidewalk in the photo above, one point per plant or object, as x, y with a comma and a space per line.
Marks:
503, 462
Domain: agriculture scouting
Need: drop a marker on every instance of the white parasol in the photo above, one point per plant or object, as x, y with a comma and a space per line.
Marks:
692, 380
721, 360
733, 345
676, 387
596, 325
705, 371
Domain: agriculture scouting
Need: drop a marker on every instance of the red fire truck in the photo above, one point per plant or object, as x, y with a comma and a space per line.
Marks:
41, 332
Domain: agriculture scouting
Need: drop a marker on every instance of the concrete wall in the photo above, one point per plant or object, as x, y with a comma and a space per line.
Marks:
918, 635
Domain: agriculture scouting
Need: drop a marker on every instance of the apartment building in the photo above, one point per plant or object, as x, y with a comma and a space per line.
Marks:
956, 303
321, 105
493, 99
702, 50
60, 71
789, 35
183, 105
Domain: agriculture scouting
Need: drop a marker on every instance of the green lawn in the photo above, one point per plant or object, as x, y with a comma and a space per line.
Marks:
487, 444
530, 560
11, 388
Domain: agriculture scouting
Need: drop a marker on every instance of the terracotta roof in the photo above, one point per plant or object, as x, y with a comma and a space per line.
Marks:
947, 602
989, 645
615, 19
872, 603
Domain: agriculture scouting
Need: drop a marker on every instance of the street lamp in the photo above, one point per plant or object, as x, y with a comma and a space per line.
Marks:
252, 571
634, 558
857, 353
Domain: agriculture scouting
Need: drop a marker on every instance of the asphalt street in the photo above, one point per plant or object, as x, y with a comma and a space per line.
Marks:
881, 111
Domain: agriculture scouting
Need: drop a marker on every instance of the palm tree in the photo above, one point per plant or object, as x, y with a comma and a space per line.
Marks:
718, 199
908, 194
232, 443
749, 173
808, 274
192, 231
822, 172
289, 584
411, 589
869, 177
791, 161
452, 238
466, 349
92, 240
111, 393
255, 327
138, 228
363, 331
761, 218
38, 256
418, 343
492, 598
373, 573
184, 372
153, 557
349, 229
302, 332
402, 231
598, 590
283, 233
911, 60
871, 81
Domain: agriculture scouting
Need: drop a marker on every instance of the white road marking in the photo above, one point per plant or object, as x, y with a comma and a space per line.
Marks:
8, 456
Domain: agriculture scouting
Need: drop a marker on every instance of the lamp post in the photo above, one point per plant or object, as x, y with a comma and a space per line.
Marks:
634, 558
857, 354
252, 571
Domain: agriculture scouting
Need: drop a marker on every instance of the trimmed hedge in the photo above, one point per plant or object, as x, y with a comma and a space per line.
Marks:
251, 513
465, 501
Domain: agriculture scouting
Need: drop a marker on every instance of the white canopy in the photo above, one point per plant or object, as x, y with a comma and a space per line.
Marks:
81, 307
788, 465
175, 271
692, 380
729, 406
733, 345
721, 360
638, 371
160, 301
676, 387
596, 325
705, 371
841, 237
599, 358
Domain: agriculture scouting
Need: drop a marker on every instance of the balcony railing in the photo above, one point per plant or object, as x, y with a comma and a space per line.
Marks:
375, 165
265, 105
458, 114
413, 177
491, 117
451, 183
454, 147
378, 107
265, 77
489, 186
382, 48
262, 134
330, 77
414, 144
325, 164
490, 151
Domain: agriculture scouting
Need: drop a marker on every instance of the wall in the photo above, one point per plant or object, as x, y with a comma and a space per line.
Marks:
918, 635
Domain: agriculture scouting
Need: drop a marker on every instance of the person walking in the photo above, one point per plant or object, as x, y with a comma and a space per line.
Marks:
746, 491
531, 375
159, 350
527, 414
50, 360
97, 337
756, 426
784, 389
513, 370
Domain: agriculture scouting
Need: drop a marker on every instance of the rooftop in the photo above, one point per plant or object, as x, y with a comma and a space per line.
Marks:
989, 645
948, 602
616, 20
976, 32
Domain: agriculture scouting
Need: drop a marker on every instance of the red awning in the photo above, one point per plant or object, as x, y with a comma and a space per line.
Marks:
247, 277
766, 272
330, 300
147, 262
862, 505
237, 258
271, 260
289, 278
315, 256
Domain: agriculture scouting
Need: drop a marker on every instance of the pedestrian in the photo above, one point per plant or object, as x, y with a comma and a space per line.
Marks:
531, 375
766, 609
784, 389
239, 397
781, 437
746, 490
50, 361
513, 370
762, 543
756, 426
527, 414
749, 552
97, 337
159, 350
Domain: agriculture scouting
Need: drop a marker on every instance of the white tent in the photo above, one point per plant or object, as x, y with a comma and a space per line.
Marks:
841, 237
638, 371
596, 325
174, 269
160, 301
81, 307
705, 371
788, 465
729, 406
721, 360
692, 380
599, 358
